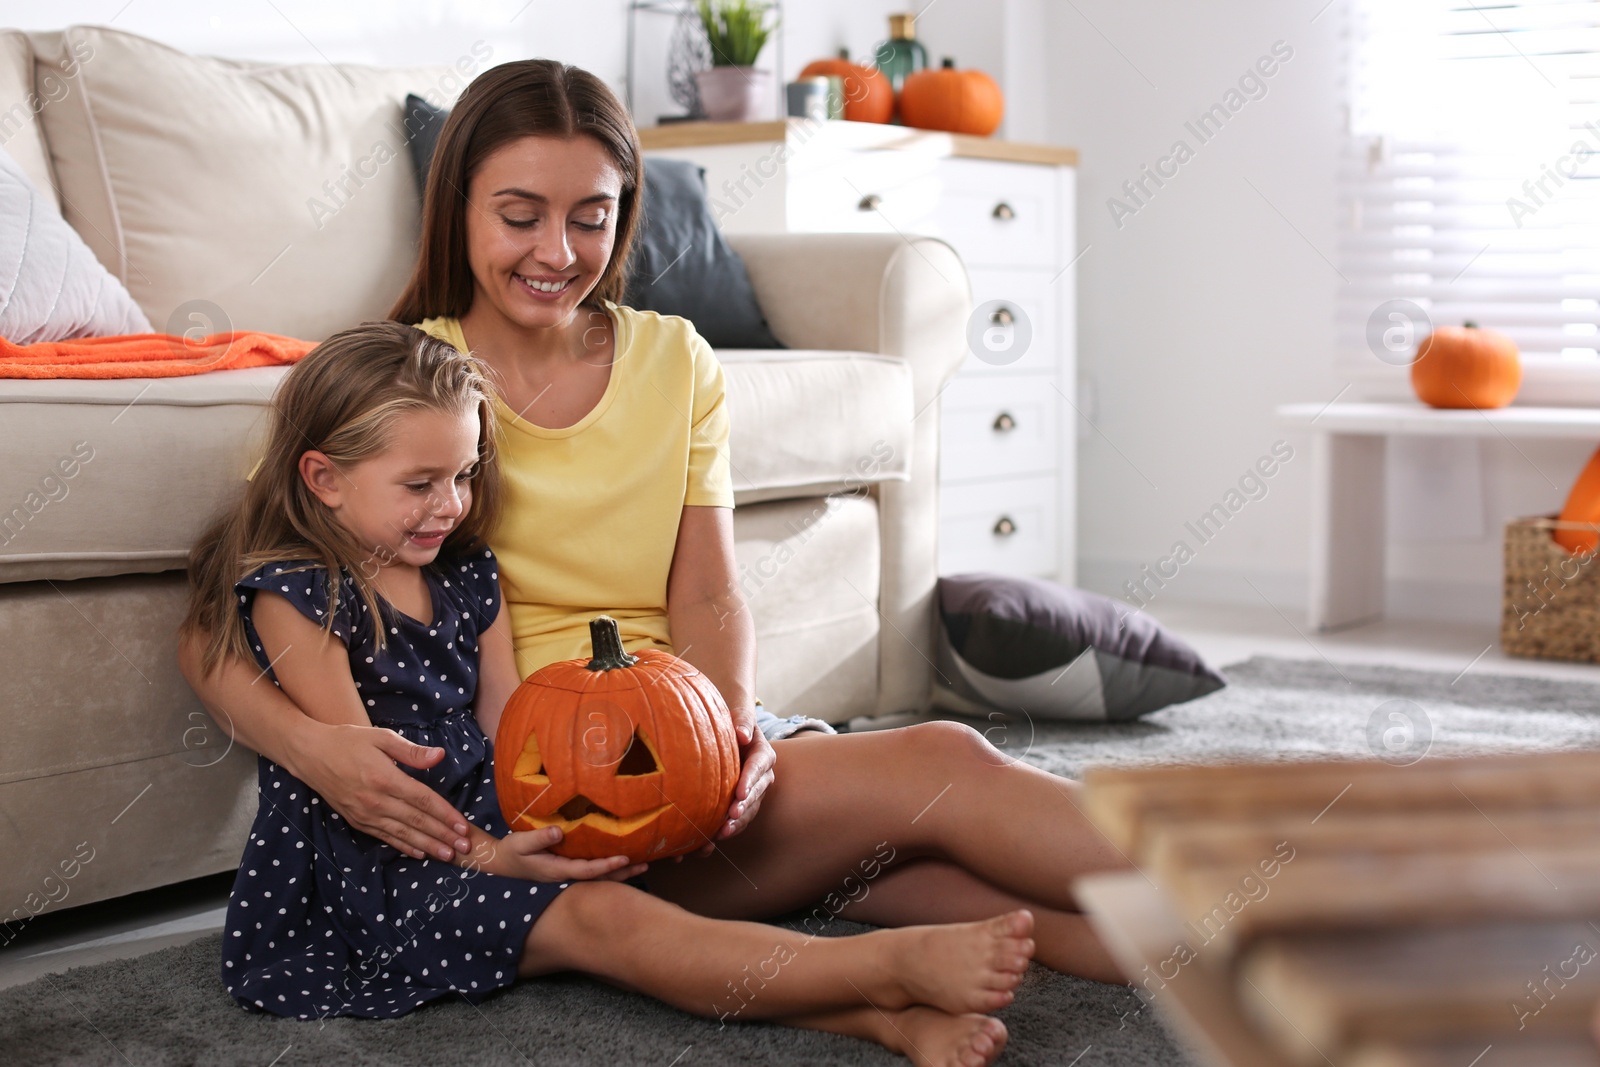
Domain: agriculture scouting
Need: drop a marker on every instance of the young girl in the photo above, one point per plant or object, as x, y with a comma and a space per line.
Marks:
355, 574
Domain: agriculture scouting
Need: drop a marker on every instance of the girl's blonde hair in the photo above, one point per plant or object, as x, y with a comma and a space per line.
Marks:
342, 399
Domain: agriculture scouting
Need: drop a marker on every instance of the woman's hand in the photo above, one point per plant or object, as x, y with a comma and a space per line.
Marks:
524, 854
755, 776
353, 769
713, 629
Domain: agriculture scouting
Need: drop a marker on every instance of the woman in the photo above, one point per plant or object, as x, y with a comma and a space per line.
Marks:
619, 500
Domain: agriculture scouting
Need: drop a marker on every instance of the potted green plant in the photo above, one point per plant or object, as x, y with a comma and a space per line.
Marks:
733, 90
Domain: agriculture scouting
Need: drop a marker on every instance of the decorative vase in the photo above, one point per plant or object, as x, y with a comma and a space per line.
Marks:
735, 94
901, 55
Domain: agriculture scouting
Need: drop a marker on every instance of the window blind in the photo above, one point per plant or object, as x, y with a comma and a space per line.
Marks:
1469, 180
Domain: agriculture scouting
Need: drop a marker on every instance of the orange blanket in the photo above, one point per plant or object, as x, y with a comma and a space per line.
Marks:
148, 355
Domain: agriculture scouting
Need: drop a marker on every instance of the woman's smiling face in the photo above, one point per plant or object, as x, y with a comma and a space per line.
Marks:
541, 222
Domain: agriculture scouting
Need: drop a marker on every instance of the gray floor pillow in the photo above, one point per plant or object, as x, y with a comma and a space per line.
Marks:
1031, 646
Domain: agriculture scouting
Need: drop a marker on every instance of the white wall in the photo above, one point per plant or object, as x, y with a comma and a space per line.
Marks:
1206, 308
590, 33
1213, 303
1006, 40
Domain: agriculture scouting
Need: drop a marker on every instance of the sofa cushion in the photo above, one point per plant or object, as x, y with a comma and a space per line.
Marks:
23, 99
232, 195
51, 286
815, 422
810, 572
120, 476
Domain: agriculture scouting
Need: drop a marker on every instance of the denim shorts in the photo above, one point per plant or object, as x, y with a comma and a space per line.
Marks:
776, 729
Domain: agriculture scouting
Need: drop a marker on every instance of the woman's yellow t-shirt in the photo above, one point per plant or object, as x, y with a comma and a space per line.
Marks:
592, 510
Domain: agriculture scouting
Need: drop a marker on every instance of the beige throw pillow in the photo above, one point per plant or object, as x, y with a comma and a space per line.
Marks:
227, 194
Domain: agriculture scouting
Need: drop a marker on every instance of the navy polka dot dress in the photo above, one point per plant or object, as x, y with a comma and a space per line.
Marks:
327, 920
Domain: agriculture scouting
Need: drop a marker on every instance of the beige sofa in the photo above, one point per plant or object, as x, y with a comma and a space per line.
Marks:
193, 180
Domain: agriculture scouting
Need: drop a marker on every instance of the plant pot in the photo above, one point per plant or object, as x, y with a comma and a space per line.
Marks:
735, 94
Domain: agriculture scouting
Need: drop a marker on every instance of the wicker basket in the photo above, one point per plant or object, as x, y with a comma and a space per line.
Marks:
1551, 603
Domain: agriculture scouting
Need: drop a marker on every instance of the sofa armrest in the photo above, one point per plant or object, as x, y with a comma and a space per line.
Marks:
864, 292
905, 297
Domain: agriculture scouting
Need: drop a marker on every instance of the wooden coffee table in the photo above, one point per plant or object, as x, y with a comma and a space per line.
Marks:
1136, 923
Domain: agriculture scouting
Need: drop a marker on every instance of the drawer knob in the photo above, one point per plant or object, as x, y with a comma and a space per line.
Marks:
870, 202
1004, 423
1002, 316
1005, 527
1004, 212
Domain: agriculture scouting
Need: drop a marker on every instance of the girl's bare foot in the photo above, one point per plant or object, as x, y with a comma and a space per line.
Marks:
932, 1038
961, 967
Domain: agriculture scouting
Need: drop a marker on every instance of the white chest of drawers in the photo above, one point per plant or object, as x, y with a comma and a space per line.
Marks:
1007, 441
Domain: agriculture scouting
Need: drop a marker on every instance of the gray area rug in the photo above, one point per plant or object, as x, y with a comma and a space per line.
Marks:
169, 1008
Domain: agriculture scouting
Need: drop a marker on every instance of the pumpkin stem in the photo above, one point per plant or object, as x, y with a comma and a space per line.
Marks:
606, 644
844, 54
949, 63
1469, 324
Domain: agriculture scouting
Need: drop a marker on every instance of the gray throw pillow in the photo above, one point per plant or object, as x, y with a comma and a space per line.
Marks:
1035, 647
422, 122
52, 288
683, 266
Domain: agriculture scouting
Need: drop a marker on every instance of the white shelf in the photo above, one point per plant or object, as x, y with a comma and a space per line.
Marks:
1384, 419
1349, 443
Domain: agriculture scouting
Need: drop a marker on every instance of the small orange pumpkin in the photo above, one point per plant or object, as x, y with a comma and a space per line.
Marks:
868, 96
957, 101
1466, 367
630, 754
1582, 506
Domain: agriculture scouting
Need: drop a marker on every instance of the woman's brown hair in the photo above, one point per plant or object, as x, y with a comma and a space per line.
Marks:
525, 98
342, 399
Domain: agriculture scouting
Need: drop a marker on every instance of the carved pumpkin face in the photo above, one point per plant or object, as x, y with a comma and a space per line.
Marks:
631, 755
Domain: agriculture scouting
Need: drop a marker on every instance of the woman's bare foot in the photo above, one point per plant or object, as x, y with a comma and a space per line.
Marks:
961, 967
932, 1038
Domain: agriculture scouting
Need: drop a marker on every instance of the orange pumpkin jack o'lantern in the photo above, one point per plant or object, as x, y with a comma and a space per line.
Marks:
630, 754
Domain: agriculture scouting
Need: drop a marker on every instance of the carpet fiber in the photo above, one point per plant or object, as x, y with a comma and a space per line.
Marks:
169, 1008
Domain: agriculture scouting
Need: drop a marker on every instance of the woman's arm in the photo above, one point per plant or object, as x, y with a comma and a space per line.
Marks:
350, 767
712, 629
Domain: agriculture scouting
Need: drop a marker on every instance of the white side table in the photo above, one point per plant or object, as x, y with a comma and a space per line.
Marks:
1347, 486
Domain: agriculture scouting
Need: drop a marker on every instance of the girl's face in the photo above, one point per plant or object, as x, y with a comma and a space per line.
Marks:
540, 224
400, 503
